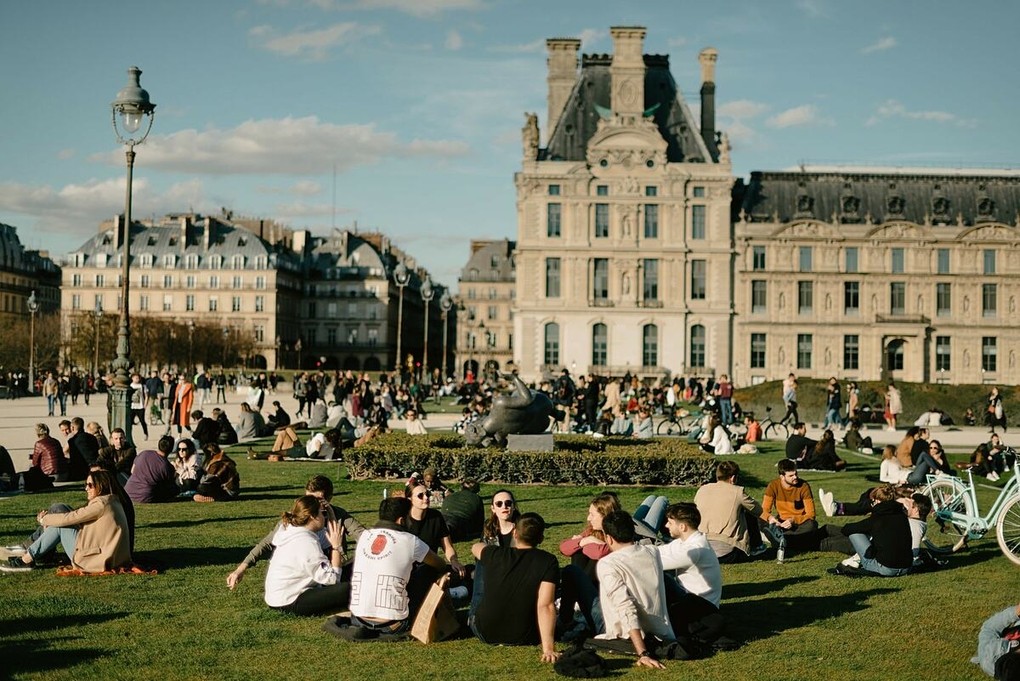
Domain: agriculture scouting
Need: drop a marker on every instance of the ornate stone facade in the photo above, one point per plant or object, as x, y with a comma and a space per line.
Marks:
487, 288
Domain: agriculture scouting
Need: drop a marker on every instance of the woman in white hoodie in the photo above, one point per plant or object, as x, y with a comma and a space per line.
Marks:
301, 579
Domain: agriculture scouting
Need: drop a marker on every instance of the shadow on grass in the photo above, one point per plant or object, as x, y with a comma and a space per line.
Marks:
25, 625
986, 549
202, 521
764, 618
28, 657
188, 557
748, 589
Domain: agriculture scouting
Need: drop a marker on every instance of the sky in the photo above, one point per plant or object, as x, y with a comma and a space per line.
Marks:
416, 106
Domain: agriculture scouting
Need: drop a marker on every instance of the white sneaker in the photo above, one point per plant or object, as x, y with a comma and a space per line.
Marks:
853, 561
827, 501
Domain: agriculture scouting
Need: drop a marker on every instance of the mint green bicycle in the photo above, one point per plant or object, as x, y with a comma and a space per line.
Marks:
955, 517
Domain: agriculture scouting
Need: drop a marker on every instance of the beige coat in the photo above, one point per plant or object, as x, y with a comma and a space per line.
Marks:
722, 507
103, 541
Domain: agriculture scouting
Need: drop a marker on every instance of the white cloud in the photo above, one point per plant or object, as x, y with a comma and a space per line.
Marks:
806, 114
294, 212
288, 146
589, 36
523, 48
454, 41
742, 108
313, 45
306, 188
886, 43
894, 109
418, 8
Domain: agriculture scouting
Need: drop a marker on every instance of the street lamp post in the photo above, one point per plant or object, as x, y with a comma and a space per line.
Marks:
135, 111
400, 277
445, 304
191, 345
226, 336
33, 307
427, 293
97, 314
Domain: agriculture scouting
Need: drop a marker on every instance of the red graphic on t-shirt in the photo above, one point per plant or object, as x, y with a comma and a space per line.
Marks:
378, 544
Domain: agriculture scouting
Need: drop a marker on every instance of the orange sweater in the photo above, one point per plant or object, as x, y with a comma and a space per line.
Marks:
795, 503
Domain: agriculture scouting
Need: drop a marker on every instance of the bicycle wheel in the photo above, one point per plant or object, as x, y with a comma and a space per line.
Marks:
944, 534
670, 427
777, 431
1007, 529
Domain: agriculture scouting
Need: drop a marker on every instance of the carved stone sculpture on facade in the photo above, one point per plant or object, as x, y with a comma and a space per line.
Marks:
529, 136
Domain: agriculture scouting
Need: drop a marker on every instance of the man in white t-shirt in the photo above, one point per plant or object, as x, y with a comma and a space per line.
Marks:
695, 590
383, 595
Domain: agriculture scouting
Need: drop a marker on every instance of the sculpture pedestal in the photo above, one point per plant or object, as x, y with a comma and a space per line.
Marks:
529, 443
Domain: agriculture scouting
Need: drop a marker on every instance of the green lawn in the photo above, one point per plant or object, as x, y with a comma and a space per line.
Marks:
798, 622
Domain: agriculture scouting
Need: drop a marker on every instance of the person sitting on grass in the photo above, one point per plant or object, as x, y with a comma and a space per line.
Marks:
320, 487
384, 595
48, 456
720, 443
250, 424
857, 442
632, 591
998, 650
279, 418
220, 481
883, 540
153, 479
188, 465
324, 445
890, 471
96, 537
518, 606
464, 511
206, 429
644, 429
301, 579
799, 445
794, 504
118, 455
287, 443
932, 462
823, 457
729, 516
413, 424
693, 578
428, 524
227, 434
580, 579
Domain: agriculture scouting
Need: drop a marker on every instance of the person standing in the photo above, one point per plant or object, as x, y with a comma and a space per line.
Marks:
995, 413
723, 393
49, 389
139, 398
833, 404
790, 399
184, 396
893, 405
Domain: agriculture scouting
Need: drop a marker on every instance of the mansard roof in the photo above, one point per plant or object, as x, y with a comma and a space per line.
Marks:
490, 261
14, 257
590, 100
344, 249
936, 197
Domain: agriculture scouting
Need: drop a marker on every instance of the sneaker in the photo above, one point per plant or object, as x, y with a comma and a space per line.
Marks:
759, 549
853, 561
828, 503
15, 564
459, 593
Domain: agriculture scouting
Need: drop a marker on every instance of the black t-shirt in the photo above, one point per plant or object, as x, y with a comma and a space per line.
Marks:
464, 514
507, 614
430, 529
797, 444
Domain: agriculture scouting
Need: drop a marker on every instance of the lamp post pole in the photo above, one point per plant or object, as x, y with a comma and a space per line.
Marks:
191, 346
400, 276
97, 314
33, 307
133, 107
445, 304
427, 293
226, 335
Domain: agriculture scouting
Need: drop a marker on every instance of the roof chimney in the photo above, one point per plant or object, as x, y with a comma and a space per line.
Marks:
562, 63
185, 229
707, 57
627, 74
207, 237
118, 221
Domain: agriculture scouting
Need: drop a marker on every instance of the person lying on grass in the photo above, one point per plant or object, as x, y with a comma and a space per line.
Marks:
320, 487
301, 579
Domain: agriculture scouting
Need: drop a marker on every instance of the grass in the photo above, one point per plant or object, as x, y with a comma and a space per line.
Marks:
798, 622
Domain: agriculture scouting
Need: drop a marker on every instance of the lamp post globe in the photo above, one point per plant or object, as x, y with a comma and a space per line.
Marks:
401, 276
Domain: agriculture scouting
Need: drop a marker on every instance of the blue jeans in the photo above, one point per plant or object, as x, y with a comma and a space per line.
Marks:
51, 401
726, 410
578, 587
652, 514
861, 544
926, 465
831, 418
47, 541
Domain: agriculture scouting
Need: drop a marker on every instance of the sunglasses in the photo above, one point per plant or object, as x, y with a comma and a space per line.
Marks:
89, 485
421, 495
501, 504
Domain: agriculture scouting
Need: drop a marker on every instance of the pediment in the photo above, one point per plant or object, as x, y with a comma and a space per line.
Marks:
989, 232
807, 228
899, 230
630, 147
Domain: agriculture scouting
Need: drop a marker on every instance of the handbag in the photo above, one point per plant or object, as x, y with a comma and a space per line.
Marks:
436, 620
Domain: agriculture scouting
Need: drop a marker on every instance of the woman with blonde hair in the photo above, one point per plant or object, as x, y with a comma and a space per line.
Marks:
301, 579
891, 471
579, 579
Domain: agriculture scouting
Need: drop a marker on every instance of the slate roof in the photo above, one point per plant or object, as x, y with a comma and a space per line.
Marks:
857, 197
577, 124
14, 257
479, 266
343, 249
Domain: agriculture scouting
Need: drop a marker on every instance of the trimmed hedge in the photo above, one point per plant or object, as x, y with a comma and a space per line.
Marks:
577, 460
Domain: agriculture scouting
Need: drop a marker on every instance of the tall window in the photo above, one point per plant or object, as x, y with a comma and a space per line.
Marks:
894, 355
189, 303
851, 259
650, 287
943, 300
851, 297
943, 354
553, 218
651, 220
897, 260
601, 220
759, 296
491, 313
552, 277
552, 343
189, 281
235, 304
989, 261
214, 282
698, 275
897, 297
804, 350
214, 304
600, 279
650, 345
989, 299
168, 302
989, 354
943, 261
260, 304
146, 281
758, 258
599, 344
805, 297
804, 258
697, 222
143, 303
852, 352
757, 351
698, 346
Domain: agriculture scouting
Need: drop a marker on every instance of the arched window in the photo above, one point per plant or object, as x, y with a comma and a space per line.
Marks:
552, 343
599, 345
650, 345
894, 355
697, 345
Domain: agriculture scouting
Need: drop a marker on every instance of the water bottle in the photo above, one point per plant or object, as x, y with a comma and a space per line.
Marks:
781, 554
385, 493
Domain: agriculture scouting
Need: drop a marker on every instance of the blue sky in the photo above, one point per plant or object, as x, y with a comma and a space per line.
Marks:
419, 103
